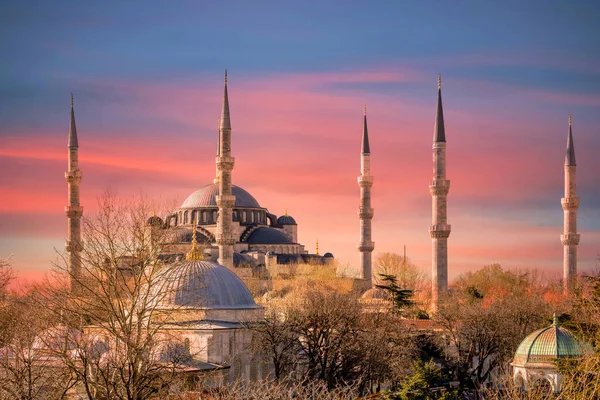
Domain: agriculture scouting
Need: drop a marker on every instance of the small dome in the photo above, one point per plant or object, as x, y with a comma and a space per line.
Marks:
206, 197
376, 294
268, 236
206, 285
548, 344
286, 220
327, 255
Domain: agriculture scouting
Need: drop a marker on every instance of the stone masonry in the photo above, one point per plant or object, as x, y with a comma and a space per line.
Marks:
74, 210
225, 200
365, 212
570, 204
439, 230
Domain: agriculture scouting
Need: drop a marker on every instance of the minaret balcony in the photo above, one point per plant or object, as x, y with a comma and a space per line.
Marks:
439, 231
439, 187
365, 213
570, 239
366, 246
569, 203
365, 181
73, 176
74, 211
225, 163
73, 246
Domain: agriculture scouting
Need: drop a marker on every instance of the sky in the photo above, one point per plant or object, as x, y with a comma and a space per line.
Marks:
148, 83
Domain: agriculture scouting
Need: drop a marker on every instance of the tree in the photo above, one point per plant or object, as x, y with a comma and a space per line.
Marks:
484, 329
408, 276
113, 341
400, 297
275, 338
326, 336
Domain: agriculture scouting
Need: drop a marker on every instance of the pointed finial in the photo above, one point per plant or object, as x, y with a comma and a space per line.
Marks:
365, 109
570, 119
72, 102
317, 246
194, 254
225, 76
439, 81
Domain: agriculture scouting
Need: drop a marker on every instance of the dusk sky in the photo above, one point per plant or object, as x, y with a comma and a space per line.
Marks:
147, 79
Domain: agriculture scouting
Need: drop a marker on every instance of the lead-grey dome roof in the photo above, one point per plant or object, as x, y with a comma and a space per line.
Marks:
265, 235
206, 197
205, 284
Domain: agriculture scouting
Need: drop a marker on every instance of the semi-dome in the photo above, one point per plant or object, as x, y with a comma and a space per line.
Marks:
206, 197
206, 285
548, 344
265, 235
286, 220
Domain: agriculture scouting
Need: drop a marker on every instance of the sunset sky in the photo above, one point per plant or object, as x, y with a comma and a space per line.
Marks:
147, 79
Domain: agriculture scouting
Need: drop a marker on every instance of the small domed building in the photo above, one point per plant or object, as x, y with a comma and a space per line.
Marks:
207, 312
534, 361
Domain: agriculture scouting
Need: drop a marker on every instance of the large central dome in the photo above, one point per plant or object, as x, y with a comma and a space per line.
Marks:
206, 197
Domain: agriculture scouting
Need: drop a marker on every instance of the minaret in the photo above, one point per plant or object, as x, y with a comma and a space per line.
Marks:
439, 187
225, 199
570, 204
74, 211
365, 212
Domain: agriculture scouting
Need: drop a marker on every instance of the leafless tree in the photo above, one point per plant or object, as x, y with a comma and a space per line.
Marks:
481, 335
26, 370
113, 341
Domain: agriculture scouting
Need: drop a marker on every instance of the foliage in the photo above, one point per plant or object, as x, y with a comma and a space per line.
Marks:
400, 297
425, 383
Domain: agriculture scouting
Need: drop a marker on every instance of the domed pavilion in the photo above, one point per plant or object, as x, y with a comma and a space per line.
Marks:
534, 361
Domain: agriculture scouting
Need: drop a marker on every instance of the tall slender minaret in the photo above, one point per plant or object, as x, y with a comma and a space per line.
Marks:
570, 204
74, 210
439, 230
365, 212
225, 199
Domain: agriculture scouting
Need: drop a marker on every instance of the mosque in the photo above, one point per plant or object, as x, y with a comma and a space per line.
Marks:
231, 235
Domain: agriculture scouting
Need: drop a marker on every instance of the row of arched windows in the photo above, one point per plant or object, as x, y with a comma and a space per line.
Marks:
209, 217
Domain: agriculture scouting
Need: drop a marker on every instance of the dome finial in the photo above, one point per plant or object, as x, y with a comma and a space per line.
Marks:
195, 254
554, 320
225, 76
439, 81
570, 119
73, 102
365, 109
285, 212
317, 246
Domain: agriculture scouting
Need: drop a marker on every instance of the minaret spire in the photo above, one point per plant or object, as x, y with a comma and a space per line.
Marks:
570, 204
365, 212
225, 199
439, 187
439, 133
74, 210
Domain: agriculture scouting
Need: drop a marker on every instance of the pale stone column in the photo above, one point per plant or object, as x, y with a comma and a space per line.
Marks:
570, 204
439, 229
365, 212
225, 200
74, 210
